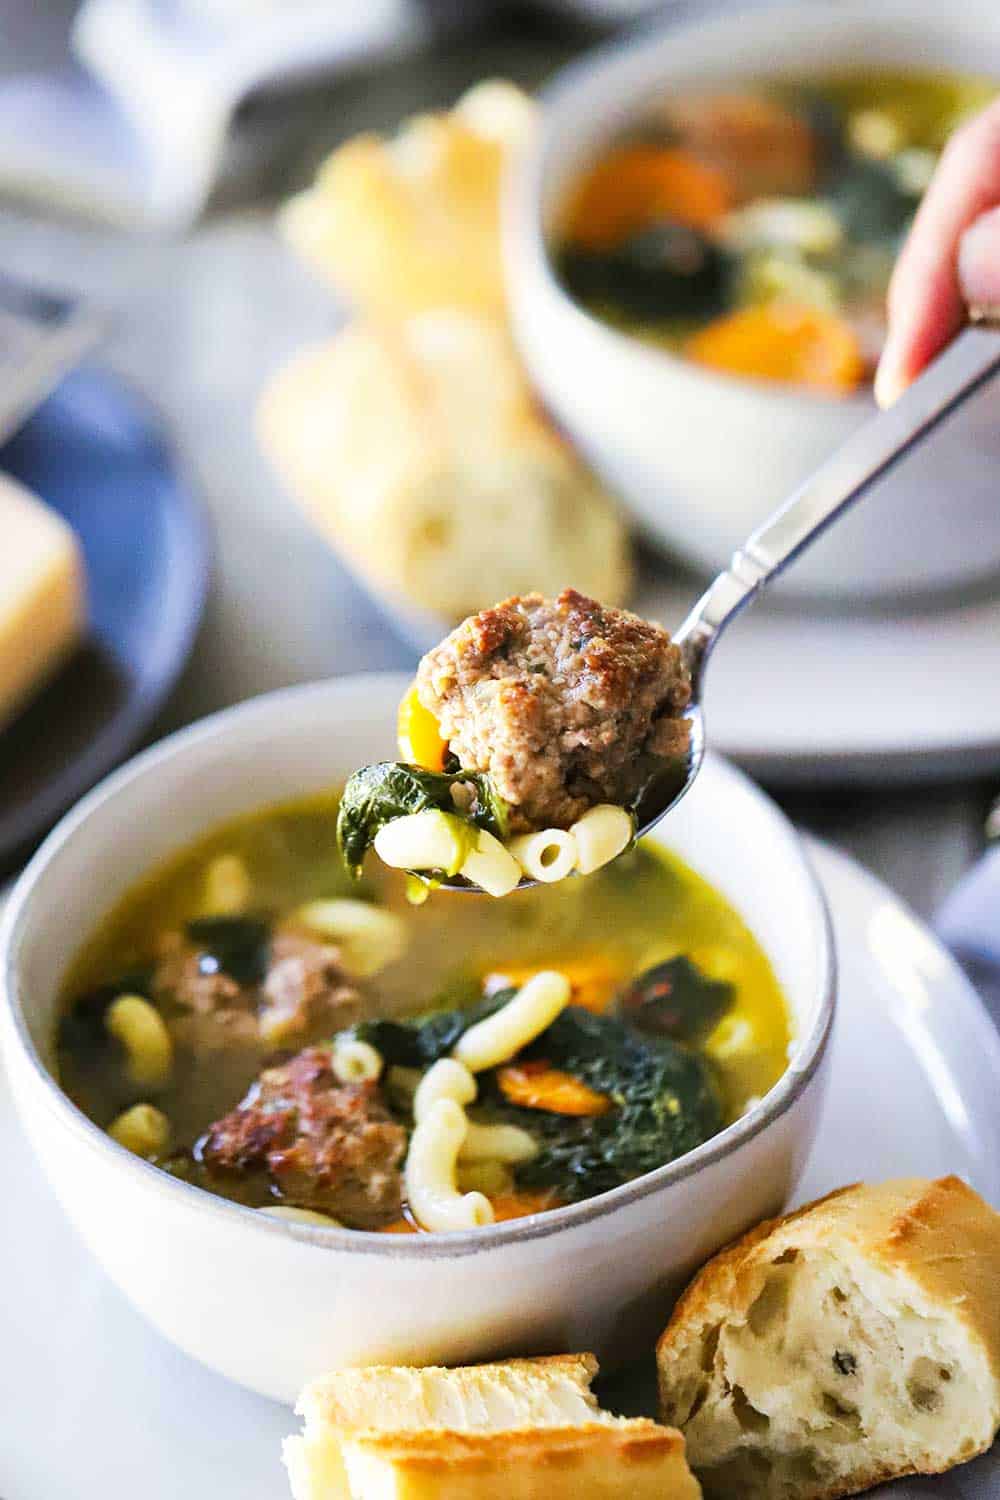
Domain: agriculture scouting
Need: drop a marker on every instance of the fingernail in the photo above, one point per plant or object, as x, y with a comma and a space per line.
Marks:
888, 383
979, 263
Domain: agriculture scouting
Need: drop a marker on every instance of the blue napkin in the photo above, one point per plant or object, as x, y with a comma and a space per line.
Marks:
969, 923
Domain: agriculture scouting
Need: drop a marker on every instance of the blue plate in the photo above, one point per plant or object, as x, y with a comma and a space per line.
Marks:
96, 453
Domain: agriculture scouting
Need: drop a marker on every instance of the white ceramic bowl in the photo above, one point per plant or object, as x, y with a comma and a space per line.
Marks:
270, 1303
701, 458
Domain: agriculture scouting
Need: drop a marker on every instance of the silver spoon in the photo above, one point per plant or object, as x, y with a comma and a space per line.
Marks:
968, 363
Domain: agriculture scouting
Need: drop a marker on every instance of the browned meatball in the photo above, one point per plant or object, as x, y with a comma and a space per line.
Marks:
327, 1145
303, 994
565, 704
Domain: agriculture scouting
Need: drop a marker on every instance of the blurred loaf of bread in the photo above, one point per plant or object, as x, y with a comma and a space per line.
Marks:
413, 222
418, 449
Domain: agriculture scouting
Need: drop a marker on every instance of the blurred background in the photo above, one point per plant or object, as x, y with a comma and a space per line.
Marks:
155, 283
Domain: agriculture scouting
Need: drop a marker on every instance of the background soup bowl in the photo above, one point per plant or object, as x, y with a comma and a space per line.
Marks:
270, 1303
701, 458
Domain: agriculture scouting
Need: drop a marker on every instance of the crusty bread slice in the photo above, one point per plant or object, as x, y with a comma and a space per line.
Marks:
628, 1460
520, 1429
419, 449
853, 1341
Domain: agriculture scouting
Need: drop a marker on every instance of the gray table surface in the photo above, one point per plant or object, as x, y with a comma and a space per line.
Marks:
199, 323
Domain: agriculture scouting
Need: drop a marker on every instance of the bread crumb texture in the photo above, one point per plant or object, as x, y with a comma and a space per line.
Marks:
853, 1341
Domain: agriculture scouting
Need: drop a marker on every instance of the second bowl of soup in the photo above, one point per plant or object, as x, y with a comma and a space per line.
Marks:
698, 246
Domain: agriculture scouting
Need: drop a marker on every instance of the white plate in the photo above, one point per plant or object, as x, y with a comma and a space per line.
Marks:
866, 696
94, 1403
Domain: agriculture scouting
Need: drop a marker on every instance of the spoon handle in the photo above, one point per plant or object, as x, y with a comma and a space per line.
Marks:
867, 454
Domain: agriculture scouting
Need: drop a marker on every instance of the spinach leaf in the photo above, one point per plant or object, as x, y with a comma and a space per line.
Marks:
666, 271
377, 794
665, 1099
676, 1000
420, 1042
237, 946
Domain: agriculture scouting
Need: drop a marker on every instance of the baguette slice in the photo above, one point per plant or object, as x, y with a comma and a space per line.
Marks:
851, 1342
521, 1428
419, 450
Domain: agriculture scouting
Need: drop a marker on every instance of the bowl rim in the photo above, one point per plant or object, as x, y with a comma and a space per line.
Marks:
525, 247
16, 1041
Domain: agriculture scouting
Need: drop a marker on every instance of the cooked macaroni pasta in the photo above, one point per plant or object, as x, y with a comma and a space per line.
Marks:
601, 835
300, 1215
143, 1129
369, 937
490, 866
525, 1016
546, 856
507, 1144
227, 886
445, 1079
429, 840
430, 1173
489, 1177
140, 1028
356, 1062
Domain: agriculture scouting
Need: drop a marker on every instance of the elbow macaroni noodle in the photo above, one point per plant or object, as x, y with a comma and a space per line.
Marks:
143, 1129
525, 1016
445, 1079
141, 1030
369, 937
356, 1062
430, 1173
547, 856
506, 1144
601, 835
491, 866
429, 840
300, 1215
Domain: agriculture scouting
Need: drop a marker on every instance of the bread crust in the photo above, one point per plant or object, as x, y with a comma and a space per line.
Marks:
635, 1458
941, 1236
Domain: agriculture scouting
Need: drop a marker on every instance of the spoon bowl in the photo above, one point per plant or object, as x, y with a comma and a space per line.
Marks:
962, 370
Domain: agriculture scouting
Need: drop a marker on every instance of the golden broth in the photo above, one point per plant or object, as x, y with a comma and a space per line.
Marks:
646, 907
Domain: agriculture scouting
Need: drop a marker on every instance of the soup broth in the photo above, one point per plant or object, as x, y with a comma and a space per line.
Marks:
243, 882
753, 229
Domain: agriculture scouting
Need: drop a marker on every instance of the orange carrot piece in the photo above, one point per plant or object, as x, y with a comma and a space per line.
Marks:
594, 979
520, 1205
634, 186
781, 342
534, 1085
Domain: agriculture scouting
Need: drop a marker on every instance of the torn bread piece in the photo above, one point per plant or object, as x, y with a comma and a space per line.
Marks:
420, 452
400, 1431
851, 1342
413, 222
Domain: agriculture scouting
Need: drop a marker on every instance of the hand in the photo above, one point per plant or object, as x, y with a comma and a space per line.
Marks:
951, 259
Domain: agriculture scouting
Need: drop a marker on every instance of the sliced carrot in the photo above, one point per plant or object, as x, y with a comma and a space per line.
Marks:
420, 742
520, 1205
534, 1085
782, 342
594, 979
634, 186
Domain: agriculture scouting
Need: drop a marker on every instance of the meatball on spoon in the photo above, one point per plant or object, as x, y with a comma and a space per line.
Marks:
567, 722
